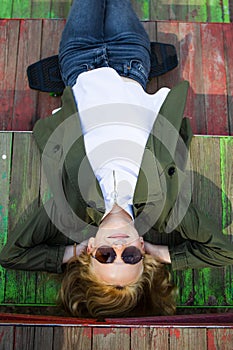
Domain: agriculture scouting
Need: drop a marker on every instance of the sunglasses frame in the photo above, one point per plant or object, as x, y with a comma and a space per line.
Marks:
101, 262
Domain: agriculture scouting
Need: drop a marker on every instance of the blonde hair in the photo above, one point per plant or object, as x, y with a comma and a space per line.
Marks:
82, 294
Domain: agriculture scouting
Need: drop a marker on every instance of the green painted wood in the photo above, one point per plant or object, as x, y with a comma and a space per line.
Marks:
24, 193
228, 44
181, 10
226, 146
5, 166
212, 161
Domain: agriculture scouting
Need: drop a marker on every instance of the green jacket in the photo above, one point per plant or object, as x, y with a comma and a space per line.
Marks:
161, 201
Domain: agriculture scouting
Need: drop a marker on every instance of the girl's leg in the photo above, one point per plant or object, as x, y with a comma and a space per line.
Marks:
120, 18
84, 29
128, 45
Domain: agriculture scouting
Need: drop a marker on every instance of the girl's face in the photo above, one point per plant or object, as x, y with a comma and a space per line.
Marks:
117, 231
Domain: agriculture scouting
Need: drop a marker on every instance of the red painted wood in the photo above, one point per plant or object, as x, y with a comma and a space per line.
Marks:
9, 31
214, 79
191, 70
228, 49
168, 32
196, 320
220, 339
46, 103
204, 50
29, 51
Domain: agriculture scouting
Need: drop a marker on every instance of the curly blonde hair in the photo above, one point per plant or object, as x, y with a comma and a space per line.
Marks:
82, 294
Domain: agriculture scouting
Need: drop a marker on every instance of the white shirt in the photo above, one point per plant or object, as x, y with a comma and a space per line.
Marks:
116, 116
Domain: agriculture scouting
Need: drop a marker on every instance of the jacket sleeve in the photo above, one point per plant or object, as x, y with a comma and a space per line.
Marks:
204, 246
35, 245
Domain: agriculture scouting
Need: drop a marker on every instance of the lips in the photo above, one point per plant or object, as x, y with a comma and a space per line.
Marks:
119, 236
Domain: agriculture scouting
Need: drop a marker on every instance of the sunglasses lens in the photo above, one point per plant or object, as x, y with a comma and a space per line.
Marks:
131, 255
105, 255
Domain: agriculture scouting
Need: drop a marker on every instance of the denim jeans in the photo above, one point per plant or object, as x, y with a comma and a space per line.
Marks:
104, 33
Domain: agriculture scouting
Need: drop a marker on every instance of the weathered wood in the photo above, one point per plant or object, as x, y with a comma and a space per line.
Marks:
113, 338
213, 192
228, 44
24, 338
221, 338
150, 338
5, 166
169, 33
188, 338
137, 338
43, 338
45, 101
72, 338
9, 33
214, 79
7, 338
25, 181
185, 10
208, 283
25, 99
191, 68
203, 58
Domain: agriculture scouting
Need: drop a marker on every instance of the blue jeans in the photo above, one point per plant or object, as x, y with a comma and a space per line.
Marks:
104, 33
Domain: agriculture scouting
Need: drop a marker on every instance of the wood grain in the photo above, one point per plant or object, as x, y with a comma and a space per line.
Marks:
5, 166
213, 192
205, 59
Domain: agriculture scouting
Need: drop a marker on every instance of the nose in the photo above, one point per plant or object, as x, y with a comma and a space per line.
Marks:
118, 244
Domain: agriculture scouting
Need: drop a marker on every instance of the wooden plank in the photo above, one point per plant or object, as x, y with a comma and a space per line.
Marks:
226, 147
197, 11
159, 10
150, 338
72, 338
21, 9
220, 338
168, 32
24, 338
60, 9
6, 9
188, 338
151, 29
211, 286
214, 71
40, 9
43, 338
111, 338
191, 68
215, 11
24, 192
142, 9
209, 106
47, 103
228, 44
207, 181
7, 337
180, 10
29, 51
231, 11
5, 166
9, 32
226, 168
184, 281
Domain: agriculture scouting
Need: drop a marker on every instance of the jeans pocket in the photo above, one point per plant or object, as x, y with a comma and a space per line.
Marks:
137, 65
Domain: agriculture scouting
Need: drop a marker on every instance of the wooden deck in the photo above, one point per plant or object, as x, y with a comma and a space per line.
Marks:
26, 336
205, 59
202, 31
22, 185
179, 10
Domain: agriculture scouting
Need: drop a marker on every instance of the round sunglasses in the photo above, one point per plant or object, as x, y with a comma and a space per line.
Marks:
106, 255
